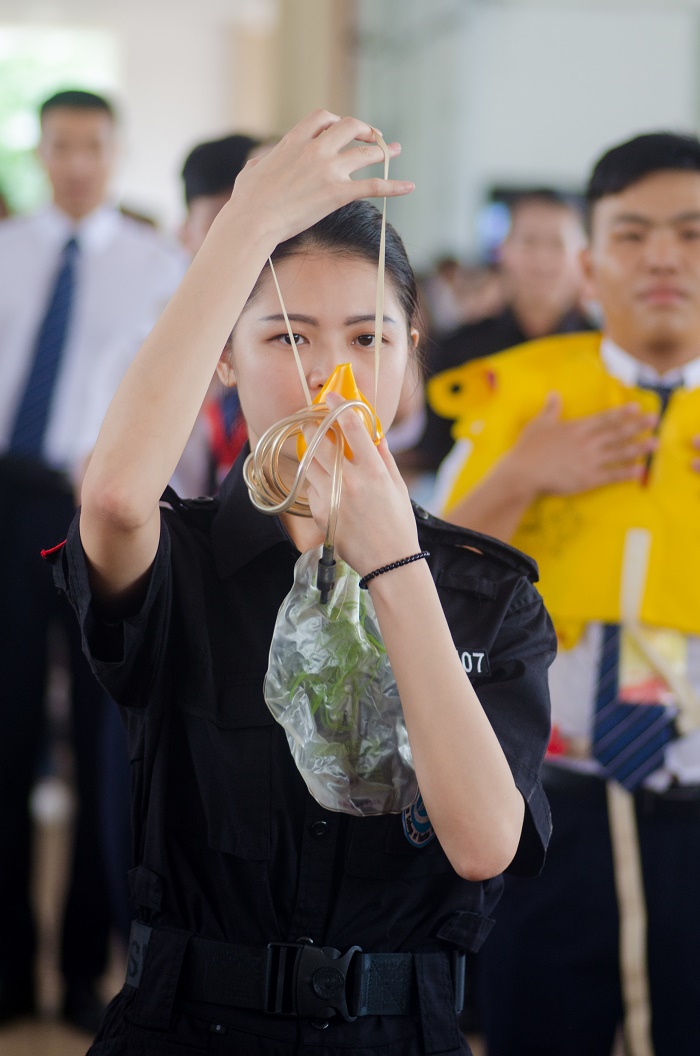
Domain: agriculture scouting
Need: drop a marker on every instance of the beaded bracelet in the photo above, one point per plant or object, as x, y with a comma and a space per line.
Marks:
389, 568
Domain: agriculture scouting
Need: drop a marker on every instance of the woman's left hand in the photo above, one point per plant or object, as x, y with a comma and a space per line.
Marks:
376, 524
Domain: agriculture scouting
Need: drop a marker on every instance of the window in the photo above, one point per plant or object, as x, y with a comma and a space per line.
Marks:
34, 63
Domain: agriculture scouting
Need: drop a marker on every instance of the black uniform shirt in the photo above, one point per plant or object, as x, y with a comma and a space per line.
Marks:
228, 842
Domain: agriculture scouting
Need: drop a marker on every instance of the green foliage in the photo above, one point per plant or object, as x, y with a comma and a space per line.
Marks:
349, 660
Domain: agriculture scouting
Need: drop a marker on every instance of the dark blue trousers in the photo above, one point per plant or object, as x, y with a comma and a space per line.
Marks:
35, 512
547, 979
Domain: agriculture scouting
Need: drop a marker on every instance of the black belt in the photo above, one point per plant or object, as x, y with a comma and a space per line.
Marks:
296, 978
677, 801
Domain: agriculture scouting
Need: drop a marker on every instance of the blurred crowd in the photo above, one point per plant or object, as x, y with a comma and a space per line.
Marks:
81, 283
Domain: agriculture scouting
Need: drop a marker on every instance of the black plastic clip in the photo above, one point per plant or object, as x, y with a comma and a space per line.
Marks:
325, 581
307, 980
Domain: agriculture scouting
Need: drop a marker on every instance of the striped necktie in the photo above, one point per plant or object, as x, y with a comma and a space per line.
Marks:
27, 436
629, 740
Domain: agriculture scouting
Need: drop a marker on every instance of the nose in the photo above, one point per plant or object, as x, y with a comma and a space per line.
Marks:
662, 250
326, 355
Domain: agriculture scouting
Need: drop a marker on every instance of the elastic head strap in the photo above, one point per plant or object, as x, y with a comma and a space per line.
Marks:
379, 303
302, 376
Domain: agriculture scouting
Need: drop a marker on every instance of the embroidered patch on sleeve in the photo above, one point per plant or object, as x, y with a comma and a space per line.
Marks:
416, 823
475, 662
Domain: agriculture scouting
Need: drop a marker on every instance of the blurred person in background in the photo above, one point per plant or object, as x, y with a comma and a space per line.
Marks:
454, 293
543, 288
584, 451
80, 286
208, 176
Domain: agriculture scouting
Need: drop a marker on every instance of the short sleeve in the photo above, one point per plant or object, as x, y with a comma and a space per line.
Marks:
516, 701
125, 655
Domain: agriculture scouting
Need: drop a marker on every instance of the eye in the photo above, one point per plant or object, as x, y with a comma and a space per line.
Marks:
286, 340
628, 236
366, 340
690, 234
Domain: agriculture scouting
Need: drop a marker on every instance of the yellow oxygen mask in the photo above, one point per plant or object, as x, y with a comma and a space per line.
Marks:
342, 381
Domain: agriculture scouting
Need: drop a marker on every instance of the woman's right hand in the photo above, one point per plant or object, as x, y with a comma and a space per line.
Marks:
308, 174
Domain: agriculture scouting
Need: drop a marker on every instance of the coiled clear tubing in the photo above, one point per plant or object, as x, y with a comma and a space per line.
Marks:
267, 487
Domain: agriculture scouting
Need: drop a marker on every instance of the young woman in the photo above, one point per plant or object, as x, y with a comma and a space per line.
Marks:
267, 924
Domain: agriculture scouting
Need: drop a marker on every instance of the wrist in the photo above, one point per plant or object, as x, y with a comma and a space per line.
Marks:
520, 478
393, 566
255, 230
394, 588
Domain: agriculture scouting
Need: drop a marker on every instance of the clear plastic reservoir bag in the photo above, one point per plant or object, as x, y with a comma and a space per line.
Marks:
330, 685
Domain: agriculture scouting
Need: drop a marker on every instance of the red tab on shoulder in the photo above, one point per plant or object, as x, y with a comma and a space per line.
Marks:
48, 554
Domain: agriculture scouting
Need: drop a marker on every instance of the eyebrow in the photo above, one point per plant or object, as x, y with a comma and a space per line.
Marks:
293, 318
352, 320
296, 317
637, 218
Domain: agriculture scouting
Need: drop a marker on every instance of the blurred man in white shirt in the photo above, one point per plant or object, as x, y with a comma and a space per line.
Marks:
122, 274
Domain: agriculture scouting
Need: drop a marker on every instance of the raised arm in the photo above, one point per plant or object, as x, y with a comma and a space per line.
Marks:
464, 777
304, 177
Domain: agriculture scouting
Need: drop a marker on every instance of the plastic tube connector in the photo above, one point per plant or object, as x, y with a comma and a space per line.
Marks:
325, 580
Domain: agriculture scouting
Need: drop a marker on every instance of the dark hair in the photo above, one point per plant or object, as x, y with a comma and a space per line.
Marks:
354, 231
629, 162
545, 196
211, 168
76, 99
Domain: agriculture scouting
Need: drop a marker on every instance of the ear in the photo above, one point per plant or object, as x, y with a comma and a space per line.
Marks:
587, 264
414, 367
224, 368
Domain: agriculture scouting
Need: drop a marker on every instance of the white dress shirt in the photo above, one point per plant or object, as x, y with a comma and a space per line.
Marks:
125, 275
574, 674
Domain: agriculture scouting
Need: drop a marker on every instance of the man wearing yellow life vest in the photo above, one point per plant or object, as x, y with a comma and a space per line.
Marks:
584, 451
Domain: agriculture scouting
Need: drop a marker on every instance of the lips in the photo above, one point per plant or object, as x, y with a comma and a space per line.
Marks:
663, 295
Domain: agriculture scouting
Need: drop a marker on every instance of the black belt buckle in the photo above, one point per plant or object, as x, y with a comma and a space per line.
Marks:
308, 980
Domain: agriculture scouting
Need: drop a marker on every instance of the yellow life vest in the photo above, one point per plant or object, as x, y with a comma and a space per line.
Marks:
578, 540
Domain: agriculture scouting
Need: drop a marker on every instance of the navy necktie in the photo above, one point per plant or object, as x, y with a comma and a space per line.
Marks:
664, 392
629, 740
27, 436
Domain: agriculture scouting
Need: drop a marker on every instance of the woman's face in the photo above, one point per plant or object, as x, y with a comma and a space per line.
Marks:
330, 301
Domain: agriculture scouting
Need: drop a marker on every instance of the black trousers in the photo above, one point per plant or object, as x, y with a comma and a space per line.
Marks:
547, 979
35, 513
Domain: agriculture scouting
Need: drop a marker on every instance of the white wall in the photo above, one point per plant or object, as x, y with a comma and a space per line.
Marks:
576, 82
519, 93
